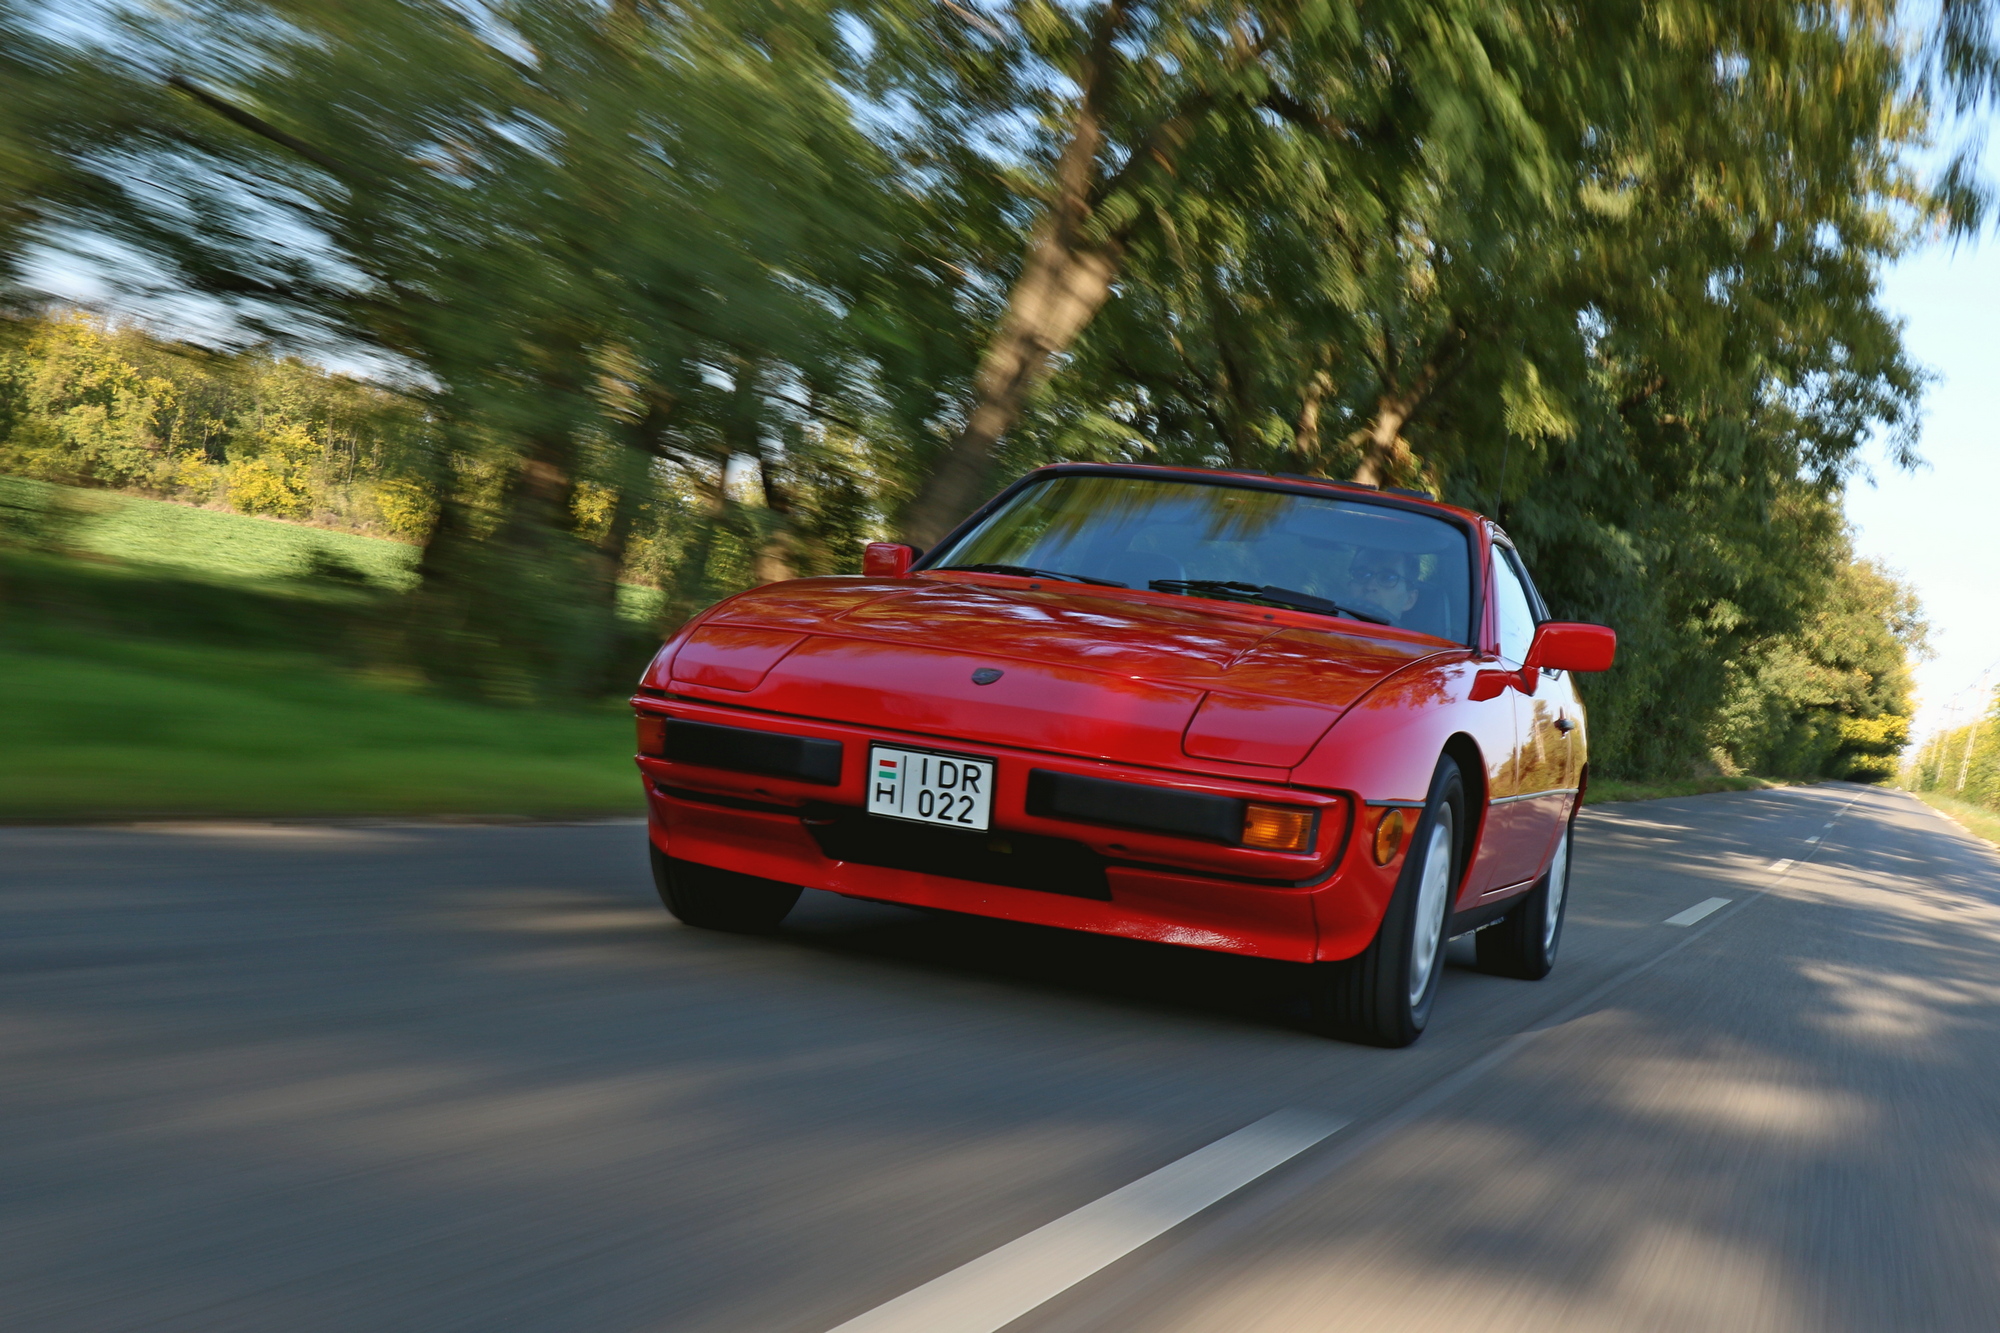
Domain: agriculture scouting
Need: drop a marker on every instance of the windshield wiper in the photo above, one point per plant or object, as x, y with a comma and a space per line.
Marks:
1251, 592
1029, 572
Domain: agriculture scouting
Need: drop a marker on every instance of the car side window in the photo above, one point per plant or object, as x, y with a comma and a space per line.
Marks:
1513, 612
1535, 598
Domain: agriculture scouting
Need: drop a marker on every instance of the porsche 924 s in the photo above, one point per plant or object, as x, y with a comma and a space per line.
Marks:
1285, 717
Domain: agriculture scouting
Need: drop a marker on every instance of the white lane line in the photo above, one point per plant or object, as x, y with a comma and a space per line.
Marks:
1780, 867
997, 1288
1697, 912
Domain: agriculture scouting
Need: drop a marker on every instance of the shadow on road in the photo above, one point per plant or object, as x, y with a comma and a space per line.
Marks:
1787, 1127
385, 1078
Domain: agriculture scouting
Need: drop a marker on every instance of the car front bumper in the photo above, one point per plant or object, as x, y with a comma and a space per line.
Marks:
1324, 903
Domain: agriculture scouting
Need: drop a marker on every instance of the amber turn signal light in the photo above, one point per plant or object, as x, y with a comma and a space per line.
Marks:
1388, 836
652, 734
1277, 828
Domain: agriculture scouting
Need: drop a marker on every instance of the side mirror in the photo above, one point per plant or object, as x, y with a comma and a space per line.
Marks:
1562, 645
888, 560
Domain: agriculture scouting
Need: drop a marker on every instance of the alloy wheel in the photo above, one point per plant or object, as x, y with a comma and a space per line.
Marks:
1433, 900
1558, 886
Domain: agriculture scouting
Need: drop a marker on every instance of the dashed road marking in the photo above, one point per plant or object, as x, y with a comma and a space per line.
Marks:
1698, 911
999, 1287
1782, 866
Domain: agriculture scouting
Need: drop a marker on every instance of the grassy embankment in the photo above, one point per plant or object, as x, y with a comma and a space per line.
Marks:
1603, 790
173, 661
1975, 819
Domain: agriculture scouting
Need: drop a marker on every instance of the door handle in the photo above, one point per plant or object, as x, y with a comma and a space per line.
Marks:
1565, 725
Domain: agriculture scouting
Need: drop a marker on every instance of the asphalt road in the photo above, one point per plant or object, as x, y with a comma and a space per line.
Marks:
301, 1078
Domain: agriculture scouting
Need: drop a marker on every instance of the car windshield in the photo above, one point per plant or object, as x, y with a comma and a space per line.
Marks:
1235, 542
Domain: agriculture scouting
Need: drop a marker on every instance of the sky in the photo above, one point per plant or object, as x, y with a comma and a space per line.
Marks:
1940, 525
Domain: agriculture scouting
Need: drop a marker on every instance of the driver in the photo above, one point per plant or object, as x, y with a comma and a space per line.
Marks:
1384, 581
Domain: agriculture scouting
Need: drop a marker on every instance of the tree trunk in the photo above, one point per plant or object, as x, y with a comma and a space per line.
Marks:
520, 613
1064, 281
1058, 294
688, 583
634, 471
1383, 449
774, 560
645, 443
1305, 436
1384, 452
1235, 419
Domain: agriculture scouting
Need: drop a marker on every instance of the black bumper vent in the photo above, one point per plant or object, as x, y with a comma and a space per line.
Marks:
1015, 860
772, 752
1187, 814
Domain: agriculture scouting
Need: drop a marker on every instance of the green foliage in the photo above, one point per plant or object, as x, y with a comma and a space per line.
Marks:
705, 294
1961, 763
615, 265
1832, 698
81, 412
61, 107
92, 404
1630, 326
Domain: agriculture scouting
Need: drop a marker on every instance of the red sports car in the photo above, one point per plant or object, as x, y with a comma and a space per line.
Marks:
1268, 715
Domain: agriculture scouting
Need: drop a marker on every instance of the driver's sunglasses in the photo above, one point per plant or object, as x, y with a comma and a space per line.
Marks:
1386, 578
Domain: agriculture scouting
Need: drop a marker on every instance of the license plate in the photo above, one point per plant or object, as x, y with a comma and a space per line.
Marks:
930, 788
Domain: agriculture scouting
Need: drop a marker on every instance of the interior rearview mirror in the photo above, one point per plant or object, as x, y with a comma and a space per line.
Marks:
1566, 645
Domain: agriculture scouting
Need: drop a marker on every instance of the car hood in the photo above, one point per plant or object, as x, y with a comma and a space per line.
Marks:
1099, 675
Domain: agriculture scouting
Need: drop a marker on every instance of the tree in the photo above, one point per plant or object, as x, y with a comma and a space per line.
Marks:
1832, 698
704, 292
1657, 372
1138, 89
592, 239
62, 107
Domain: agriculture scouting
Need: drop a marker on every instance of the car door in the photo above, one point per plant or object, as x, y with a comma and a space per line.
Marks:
1515, 826
1548, 758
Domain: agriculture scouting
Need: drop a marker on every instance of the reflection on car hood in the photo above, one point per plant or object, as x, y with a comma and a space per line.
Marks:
1083, 673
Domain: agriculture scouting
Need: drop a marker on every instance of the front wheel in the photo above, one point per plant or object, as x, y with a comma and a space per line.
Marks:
721, 899
1384, 995
1523, 943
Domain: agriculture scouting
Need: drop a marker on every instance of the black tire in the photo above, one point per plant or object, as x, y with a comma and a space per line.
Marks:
721, 899
1523, 943
1384, 995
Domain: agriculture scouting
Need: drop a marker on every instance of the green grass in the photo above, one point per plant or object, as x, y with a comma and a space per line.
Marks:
163, 661
101, 727
1602, 790
238, 550
1975, 819
211, 543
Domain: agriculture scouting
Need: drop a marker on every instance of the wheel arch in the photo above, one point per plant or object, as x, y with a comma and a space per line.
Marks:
1463, 750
